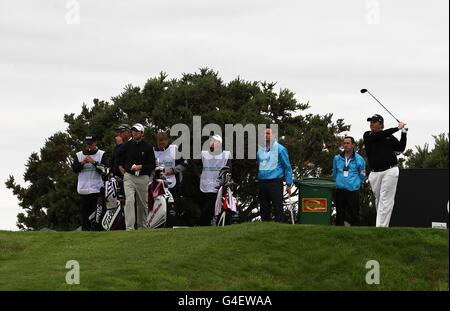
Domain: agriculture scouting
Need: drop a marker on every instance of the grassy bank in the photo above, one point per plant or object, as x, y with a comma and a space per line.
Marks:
251, 256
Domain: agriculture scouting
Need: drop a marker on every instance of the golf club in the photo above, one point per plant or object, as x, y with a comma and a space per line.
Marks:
291, 207
365, 90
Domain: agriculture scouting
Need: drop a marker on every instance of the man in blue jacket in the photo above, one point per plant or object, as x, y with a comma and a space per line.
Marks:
349, 170
273, 167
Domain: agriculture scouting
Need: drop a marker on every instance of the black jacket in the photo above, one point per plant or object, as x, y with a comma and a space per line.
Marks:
381, 147
114, 164
139, 153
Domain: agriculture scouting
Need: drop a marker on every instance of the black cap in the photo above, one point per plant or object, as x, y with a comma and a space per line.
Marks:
90, 138
123, 128
376, 118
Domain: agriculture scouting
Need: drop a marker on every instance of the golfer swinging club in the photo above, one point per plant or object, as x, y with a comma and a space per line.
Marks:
381, 146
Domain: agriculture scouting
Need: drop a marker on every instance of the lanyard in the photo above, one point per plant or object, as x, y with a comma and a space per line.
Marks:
347, 162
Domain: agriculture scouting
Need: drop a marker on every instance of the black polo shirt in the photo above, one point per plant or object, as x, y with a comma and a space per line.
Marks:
139, 153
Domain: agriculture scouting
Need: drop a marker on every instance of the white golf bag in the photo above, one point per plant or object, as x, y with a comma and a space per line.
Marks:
225, 212
109, 214
161, 205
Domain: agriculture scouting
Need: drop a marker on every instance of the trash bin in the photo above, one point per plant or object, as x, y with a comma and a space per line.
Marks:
315, 197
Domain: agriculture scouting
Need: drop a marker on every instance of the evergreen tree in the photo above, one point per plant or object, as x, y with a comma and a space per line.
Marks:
50, 199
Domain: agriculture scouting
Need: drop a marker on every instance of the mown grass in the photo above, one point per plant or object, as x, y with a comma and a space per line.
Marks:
250, 256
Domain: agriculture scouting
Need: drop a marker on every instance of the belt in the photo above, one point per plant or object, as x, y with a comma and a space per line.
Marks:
382, 169
269, 180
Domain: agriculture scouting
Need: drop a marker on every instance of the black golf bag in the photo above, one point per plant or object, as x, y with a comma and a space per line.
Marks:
226, 212
109, 214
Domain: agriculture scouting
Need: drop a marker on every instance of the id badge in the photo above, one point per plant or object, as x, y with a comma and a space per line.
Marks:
345, 173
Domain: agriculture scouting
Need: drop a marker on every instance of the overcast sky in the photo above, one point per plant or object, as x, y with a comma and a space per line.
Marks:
57, 54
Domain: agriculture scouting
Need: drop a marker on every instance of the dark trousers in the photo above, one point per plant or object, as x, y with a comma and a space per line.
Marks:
271, 195
208, 205
176, 192
88, 204
347, 207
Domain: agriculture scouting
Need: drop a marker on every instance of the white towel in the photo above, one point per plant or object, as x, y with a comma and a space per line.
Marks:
230, 199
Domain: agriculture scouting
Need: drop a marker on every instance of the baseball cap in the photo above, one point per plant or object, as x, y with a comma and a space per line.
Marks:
123, 128
217, 138
375, 118
90, 138
138, 127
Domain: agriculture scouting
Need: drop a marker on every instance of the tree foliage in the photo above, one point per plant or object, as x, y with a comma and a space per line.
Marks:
423, 157
50, 199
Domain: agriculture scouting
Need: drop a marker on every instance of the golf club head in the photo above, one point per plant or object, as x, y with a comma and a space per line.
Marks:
363, 91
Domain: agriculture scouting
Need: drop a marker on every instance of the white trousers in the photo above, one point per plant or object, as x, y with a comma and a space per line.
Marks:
384, 186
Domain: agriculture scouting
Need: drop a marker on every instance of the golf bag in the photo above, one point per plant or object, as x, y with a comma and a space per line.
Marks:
109, 214
161, 205
225, 212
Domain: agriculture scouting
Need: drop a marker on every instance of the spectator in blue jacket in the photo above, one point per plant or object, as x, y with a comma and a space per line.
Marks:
273, 167
349, 170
